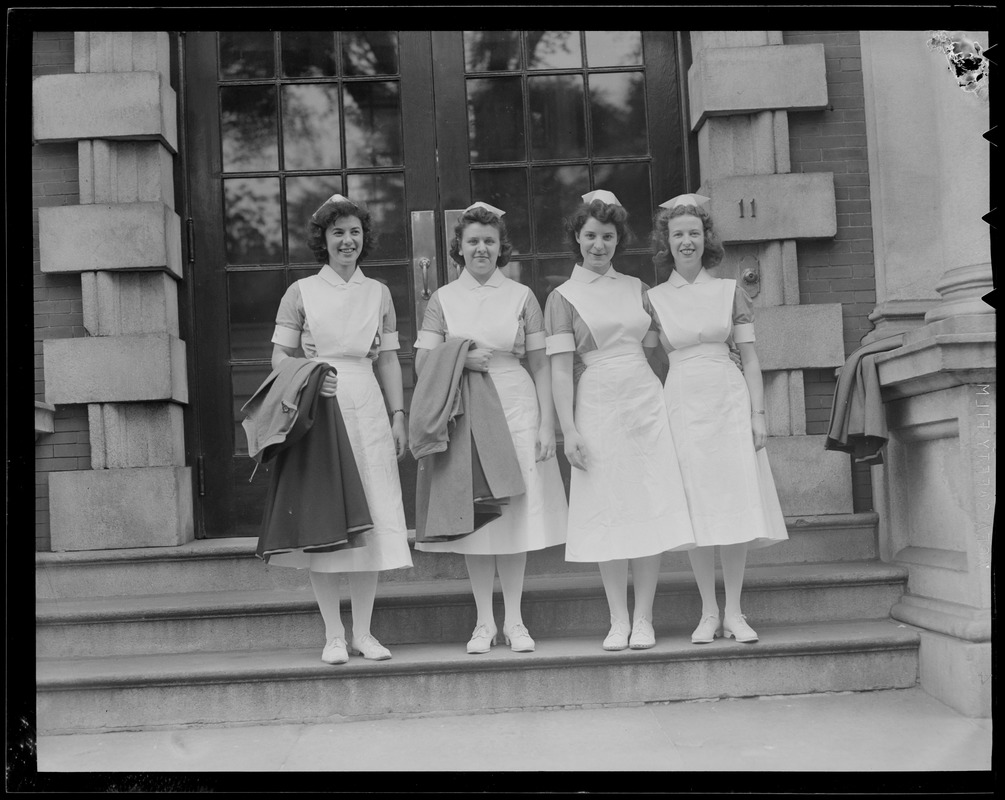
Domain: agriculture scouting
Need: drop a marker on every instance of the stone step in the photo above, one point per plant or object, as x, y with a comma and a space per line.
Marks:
208, 565
443, 611
293, 686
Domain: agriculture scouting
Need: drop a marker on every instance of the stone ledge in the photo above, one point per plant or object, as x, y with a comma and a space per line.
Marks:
743, 80
104, 105
941, 616
799, 337
937, 362
794, 205
44, 418
87, 512
122, 236
115, 369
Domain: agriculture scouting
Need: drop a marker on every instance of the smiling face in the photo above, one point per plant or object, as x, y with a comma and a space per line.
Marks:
597, 243
686, 237
480, 249
344, 238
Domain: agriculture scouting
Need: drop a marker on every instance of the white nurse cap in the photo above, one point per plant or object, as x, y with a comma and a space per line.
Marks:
603, 195
491, 209
335, 198
697, 200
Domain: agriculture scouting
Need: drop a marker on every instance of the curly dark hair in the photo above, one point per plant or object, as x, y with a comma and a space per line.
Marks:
713, 252
607, 213
317, 225
485, 217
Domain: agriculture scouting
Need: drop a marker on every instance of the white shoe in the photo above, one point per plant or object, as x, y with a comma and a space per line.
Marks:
643, 635
518, 639
738, 628
335, 652
370, 648
707, 630
482, 639
617, 638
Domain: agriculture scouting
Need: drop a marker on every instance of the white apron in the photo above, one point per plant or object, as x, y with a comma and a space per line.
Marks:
730, 490
344, 331
629, 502
537, 518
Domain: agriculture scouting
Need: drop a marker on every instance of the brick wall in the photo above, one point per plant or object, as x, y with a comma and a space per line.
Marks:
58, 309
838, 270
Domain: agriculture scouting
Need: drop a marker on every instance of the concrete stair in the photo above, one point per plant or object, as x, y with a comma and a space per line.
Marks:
208, 634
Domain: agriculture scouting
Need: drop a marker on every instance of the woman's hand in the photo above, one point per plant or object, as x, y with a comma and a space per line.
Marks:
330, 384
575, 449
545, 443
478, 359
399, 431
759, 427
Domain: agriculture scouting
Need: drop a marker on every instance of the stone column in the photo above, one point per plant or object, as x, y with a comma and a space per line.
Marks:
742, 84
124, 239
940, 394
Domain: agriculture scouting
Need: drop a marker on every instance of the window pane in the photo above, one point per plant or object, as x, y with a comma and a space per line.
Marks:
384, 196
252, 230
396, 279
506, 189
370, 53
638, 264
253, 298
557, 191
613, 48
311, 126
553, 50
248, 128
552, 273
491, 50
372, 124
630, 183
495, 120
618, 114
303, 197
246, 55
308, 54
557, 118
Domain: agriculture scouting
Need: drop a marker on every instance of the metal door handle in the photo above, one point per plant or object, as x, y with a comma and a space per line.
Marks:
424, 266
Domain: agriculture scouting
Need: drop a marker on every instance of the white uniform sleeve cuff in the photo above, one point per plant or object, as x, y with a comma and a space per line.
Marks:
286, 337
560, 343
651, 339
428, 340
536, 341
389, 341
744, 332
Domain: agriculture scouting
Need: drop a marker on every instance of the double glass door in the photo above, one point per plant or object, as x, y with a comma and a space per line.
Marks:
418, 124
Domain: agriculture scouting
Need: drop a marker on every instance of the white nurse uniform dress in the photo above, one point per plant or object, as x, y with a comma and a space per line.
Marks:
629, 502
503, 315
346, 324
729, 486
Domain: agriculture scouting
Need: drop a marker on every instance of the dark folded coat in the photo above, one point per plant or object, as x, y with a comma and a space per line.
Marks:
316, 500
467, 464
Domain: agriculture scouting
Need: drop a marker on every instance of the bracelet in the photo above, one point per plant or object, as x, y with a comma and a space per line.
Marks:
397, 410
756, 412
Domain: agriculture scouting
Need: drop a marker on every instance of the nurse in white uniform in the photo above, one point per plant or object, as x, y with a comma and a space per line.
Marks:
716, 413
346, 319
504, 320
626, 502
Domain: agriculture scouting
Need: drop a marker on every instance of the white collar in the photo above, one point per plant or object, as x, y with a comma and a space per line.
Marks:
332, 277
468, 281
584, 275
677, 280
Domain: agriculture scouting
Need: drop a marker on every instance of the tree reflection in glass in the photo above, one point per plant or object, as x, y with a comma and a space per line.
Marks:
618, 114
311, 126
308, 54
372, 124
246, 54
557, 117
613, 48
491, 50
556, 192
506, 189
248, 128
630, 183
553, 50
369, 52
495, 119
252, 227
384, 195
303, 197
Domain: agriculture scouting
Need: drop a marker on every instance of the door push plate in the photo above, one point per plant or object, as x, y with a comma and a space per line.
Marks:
424, 275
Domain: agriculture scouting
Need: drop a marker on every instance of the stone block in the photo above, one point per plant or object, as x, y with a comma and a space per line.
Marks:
742, 80
126, 236
789, 206
810, 479
701, 40
956, 672
799, 337
125, 172
104, 105
737, 145
120, 508
785, 402
115, 369
125, 435
119, 303
122, 51
44, 418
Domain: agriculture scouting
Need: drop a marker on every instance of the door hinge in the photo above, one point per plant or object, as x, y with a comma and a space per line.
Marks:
190, 230
200, 471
